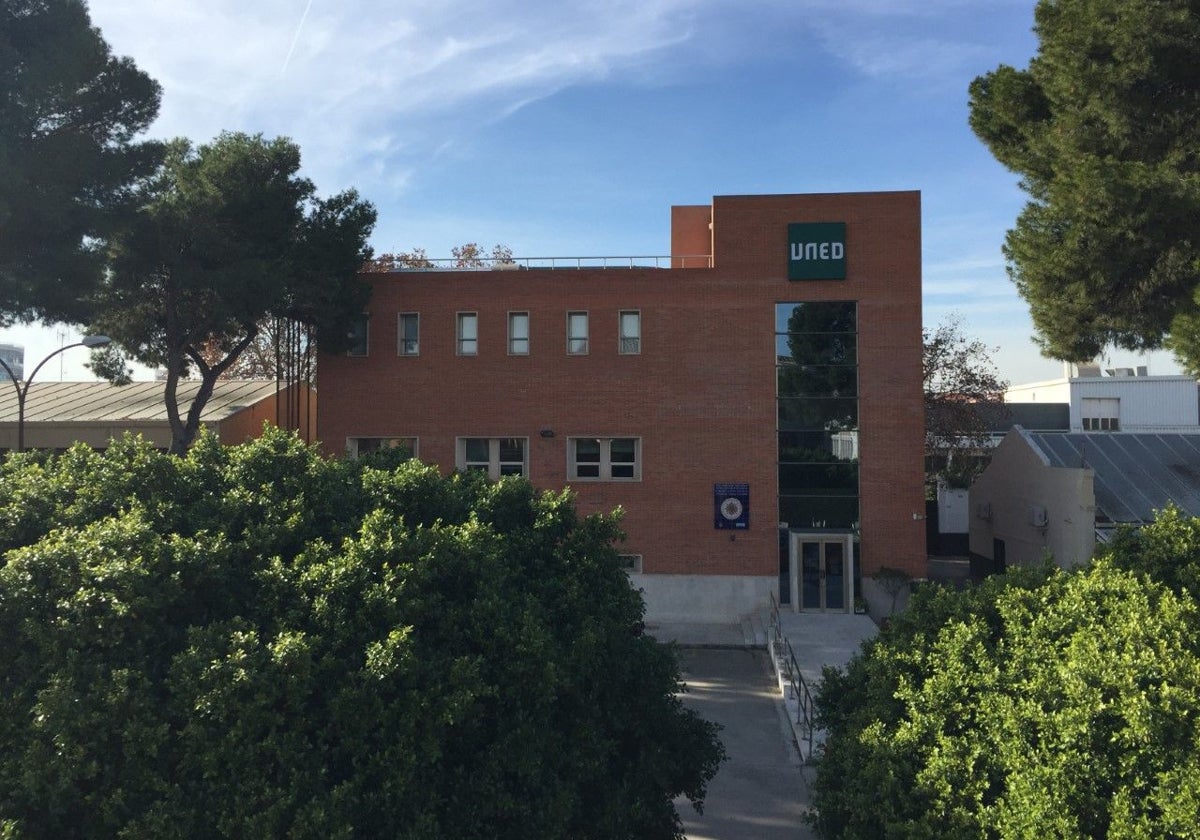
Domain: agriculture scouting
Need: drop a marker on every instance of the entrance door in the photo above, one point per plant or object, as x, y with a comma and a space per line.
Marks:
824, 573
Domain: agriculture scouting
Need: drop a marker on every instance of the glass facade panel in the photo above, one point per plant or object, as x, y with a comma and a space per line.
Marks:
819, 511
816, 346
837, 478
817, 380
816, 317
832, 415
817, 349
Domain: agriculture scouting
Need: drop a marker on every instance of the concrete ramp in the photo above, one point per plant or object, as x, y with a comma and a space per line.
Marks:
801, 645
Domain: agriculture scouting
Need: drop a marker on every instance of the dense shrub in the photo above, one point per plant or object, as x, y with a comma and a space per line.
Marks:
258, 642
1040, 704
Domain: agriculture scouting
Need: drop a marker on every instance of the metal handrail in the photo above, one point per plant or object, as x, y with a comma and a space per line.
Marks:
806, 714
529, 263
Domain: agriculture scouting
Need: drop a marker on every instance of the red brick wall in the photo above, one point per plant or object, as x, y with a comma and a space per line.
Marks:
701, 395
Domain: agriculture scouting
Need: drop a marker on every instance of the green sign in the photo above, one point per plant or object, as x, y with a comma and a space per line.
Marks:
817, 251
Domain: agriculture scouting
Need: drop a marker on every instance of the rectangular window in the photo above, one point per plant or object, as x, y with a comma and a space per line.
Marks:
630, 332
518, 333
408, 332
1101, 414
631, 563
359, 336
468, 333
605, 459
358, 446
577, 333
494, 456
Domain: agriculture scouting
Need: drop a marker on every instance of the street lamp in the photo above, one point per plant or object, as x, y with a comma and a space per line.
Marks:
90, 341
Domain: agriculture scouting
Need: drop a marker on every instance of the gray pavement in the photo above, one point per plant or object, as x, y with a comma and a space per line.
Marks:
760, 792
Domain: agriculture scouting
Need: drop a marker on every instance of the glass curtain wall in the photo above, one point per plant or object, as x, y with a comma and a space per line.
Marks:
816, 358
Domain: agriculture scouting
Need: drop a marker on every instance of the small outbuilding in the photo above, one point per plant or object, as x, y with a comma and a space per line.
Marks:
1049, 494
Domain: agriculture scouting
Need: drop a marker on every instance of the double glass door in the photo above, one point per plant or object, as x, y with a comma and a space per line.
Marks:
823, 572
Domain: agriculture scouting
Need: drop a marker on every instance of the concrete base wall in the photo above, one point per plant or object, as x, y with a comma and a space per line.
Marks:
703, 598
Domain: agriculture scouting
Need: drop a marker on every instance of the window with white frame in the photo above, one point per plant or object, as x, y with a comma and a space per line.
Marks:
605, 459
408, 334
494, 456
631, 563
468, 333
518, 333
359, 446
577, 333
630, 342
1101, 414
359, 335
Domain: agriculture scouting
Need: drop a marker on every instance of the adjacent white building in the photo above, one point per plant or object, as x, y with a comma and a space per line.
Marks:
1118, 399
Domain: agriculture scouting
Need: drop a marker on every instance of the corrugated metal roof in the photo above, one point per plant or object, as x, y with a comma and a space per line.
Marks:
1135, 474
100, 402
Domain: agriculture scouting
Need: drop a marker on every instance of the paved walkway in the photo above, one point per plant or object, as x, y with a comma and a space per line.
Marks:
760, 792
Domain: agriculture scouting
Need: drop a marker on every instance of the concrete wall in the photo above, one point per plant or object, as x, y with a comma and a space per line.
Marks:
703, 598
1017, 480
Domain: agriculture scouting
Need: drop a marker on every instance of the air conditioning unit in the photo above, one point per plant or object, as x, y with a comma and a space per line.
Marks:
1038, 517
983, 510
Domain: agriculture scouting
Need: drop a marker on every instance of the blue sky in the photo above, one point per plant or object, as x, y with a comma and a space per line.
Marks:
569, 128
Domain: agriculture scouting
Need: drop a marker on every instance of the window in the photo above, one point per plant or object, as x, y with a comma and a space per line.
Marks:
577, 333
358, 334
408, 334
816, 358
1101, 414
495, 456
468, 333
358, 446
631, 563
605, 459
518, 333
630, 332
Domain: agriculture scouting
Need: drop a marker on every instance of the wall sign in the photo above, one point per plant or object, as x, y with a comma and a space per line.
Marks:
731, 507
817, 251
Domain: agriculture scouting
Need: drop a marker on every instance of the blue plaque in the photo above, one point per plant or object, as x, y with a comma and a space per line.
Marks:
731, 507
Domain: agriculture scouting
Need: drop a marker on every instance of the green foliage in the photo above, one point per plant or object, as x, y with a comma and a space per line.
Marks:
258, 642
1167, 550
1104, 129
228, 236
68, 112
1040, 704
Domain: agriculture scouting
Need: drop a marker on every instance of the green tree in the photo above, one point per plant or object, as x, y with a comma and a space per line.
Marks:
229, 235
69, 111
1104, 129
260, 642
1041, 704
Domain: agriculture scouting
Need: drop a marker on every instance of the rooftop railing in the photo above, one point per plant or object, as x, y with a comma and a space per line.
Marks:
533, 263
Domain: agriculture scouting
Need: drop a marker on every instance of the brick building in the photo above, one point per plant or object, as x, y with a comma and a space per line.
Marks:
762, 434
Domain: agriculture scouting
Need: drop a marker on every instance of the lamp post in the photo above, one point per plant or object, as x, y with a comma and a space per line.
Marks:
89, 341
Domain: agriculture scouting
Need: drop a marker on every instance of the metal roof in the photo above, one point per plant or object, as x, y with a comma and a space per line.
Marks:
100, 402
1135, 474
